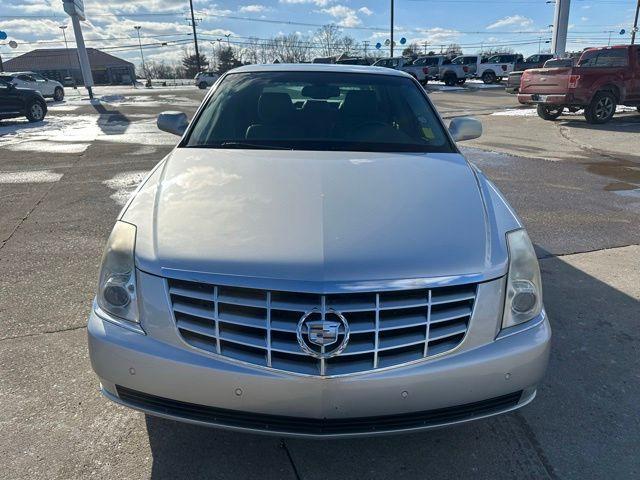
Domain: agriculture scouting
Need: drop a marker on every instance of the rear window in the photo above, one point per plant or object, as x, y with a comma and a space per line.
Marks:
604, 58
319, 111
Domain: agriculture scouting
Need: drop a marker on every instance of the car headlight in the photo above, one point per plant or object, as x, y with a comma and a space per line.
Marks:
523, 299
117, 291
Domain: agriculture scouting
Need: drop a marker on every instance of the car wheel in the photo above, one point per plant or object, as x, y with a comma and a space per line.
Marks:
58, 94
602, 108
450, 80
638, 109
549, 113
35, 111
461, 81
202, 85
488, 77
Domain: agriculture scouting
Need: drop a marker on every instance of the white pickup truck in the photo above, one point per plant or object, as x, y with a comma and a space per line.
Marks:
497, 66
420, 73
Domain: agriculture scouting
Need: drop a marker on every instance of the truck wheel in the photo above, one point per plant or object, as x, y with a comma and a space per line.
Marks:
602, 108
549, 113
202, 85
450, 80
498, 79
36, 111
461, 81
638, 109
488, 77
58, 94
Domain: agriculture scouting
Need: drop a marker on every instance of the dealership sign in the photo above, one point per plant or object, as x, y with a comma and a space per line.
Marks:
74, 7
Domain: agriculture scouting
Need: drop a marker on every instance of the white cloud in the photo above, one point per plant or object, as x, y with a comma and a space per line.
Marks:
512, 21
255, 8
347, 17
584, 19
365, 11
318, 3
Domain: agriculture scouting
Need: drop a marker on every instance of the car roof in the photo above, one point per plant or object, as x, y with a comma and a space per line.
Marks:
320, 67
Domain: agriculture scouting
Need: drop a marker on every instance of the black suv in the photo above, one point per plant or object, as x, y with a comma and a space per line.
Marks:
21, 102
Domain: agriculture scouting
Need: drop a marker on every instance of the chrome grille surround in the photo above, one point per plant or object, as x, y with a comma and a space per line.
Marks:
259, 327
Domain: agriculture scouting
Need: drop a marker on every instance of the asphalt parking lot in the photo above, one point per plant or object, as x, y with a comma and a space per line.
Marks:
62, 183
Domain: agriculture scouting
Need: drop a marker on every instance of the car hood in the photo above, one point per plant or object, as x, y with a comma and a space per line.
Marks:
328, 217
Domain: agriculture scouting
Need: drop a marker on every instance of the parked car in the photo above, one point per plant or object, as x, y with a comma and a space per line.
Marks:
21, 102
404, 64
317, 258
498, 66
534, 61
442, 68
603, 78
35, 81
206, 79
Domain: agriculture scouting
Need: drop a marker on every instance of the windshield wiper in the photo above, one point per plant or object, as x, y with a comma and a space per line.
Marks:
252, 145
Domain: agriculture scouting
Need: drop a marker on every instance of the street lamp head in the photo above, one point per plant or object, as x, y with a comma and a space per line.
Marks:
137, 27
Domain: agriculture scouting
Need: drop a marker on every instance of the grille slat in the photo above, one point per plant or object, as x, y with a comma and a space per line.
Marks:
259, 326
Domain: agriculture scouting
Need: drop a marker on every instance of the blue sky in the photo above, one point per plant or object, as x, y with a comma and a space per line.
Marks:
521, 24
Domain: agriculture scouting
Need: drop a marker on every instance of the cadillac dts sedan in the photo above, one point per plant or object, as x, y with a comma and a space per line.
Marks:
317, 258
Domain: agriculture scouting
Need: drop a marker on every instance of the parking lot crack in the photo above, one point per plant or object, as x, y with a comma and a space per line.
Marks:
46, 332
531, 436
283, 445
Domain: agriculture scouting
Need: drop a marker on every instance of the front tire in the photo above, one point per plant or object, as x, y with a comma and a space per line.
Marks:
36, 111
450, 80
602, 108
58, 94
202, 85
549, 113
488, 77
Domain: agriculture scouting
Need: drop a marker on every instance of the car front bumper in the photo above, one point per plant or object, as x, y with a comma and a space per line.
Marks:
152, 374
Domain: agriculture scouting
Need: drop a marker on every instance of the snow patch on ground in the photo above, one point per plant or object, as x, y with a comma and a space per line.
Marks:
74, 133
517, 112
486, 158
124, 185
33, 176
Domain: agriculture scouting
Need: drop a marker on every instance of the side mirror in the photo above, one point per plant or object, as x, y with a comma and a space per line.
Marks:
173, 122
465, 128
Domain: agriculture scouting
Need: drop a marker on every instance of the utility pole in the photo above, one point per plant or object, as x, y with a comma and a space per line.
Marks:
365, 43
560, 27
66, 47
391, 43
425, 44
195, 35
635, 25
144, 68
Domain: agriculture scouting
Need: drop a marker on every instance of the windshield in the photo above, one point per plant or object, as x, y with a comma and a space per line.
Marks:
319, 111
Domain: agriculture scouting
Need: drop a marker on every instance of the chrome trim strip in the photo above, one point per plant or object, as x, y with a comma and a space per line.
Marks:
319, 287
523, 327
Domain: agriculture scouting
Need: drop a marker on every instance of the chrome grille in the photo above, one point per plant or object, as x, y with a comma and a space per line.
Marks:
259, 327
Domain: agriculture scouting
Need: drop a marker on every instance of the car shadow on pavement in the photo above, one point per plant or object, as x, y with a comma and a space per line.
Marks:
583, 424
111, 122
621, 123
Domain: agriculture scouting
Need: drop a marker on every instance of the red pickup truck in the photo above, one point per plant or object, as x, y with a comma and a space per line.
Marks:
602, 79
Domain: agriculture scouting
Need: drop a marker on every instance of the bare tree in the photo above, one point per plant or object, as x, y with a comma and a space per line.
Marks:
328, 38
349, 45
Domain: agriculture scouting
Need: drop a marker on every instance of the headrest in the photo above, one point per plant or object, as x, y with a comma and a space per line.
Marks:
360, 103
274, 106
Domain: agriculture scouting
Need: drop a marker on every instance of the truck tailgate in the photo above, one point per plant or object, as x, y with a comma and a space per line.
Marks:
545, 80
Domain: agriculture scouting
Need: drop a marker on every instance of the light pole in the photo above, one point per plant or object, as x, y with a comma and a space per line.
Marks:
66, 47
195, 36
391, 44
144, 68
635, 25
228, 35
